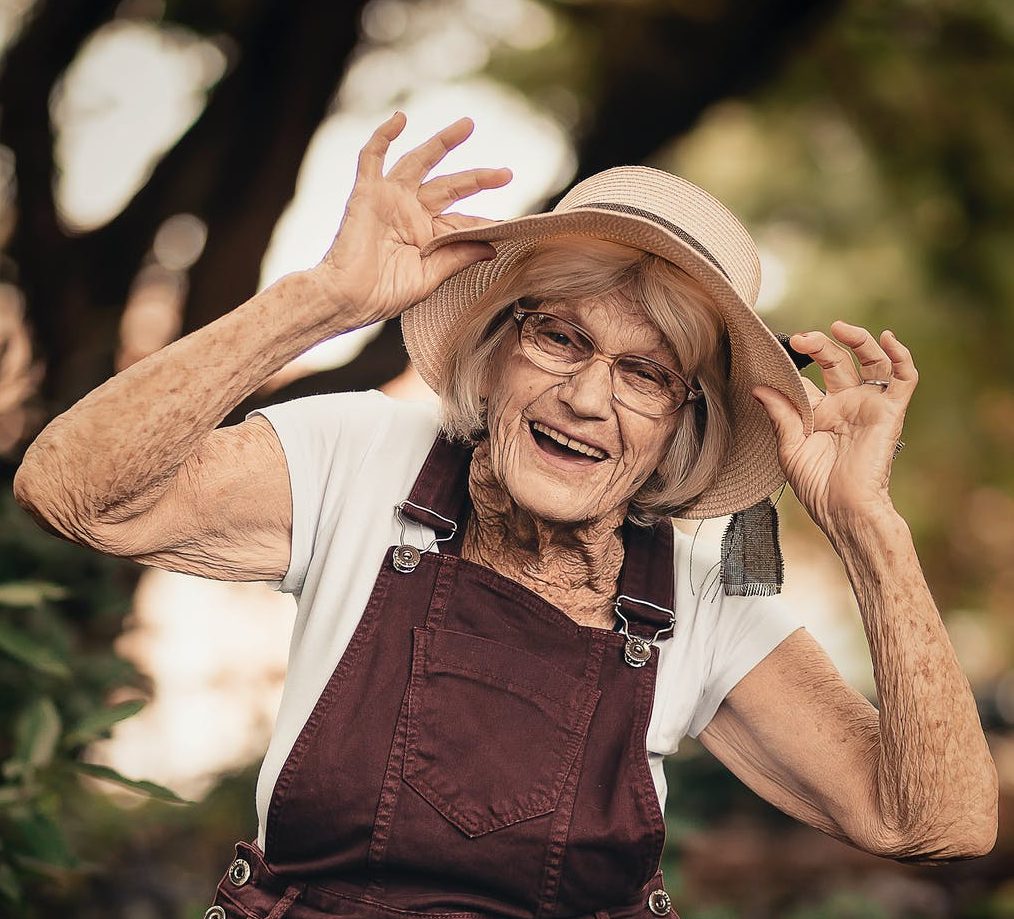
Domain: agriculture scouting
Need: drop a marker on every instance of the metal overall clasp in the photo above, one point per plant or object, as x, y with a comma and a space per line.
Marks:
405, 557
637, 650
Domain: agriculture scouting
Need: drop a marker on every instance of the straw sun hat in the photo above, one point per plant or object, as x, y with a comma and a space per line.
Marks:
660, 213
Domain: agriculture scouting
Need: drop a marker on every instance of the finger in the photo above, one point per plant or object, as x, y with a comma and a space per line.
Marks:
785, 419
902, 364
450, 259
371, 157
413, 167
873, 361
439, 194
445, 223
835, 362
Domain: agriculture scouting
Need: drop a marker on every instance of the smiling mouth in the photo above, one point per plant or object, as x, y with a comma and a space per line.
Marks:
558, 444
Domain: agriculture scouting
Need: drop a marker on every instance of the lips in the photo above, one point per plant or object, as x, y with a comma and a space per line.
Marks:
558, 443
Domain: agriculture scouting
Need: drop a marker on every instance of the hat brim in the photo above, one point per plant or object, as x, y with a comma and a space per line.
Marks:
751, 471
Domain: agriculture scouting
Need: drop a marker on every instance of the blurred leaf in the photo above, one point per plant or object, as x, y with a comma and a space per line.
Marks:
98, 722
42, 840
37, 732
158, 792
10, 889
30, 593
27, 650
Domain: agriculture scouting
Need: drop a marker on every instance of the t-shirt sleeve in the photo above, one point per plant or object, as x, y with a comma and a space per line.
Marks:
325, 440
745, 631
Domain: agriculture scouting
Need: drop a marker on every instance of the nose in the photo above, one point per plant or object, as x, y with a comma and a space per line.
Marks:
589, 392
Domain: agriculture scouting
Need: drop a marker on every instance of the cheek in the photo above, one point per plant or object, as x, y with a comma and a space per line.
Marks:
646, 445
511, 390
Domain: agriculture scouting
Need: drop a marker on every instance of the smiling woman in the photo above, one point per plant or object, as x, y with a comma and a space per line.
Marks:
654, 307
497, 641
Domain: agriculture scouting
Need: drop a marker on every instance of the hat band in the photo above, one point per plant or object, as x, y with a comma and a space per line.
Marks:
661, 221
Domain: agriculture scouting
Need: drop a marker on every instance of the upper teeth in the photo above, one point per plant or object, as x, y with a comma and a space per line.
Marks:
569, 442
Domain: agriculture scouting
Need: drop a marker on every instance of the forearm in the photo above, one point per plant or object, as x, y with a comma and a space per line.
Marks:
936, 781
112, 454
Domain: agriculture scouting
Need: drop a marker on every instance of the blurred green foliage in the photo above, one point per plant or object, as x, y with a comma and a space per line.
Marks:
57, 673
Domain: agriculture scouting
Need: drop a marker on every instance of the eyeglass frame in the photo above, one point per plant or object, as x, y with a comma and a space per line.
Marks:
520, 315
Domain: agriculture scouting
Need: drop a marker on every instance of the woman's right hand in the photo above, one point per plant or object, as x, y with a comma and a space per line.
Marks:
374, 267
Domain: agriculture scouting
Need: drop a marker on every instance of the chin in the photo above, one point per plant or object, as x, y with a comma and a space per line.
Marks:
552, 505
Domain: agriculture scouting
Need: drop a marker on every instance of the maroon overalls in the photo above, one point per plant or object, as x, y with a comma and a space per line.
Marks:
476, 753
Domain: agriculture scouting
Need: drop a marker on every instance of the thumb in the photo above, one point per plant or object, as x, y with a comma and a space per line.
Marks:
448, 260
785, 419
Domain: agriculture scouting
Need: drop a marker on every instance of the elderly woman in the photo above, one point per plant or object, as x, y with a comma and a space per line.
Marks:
500, 634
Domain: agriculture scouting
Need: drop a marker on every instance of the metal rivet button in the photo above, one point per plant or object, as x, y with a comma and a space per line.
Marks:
637, 652
406, 559
659, 902
215, 912
239, 872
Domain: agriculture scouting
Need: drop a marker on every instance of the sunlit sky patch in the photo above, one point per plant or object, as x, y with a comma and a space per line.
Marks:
128, 96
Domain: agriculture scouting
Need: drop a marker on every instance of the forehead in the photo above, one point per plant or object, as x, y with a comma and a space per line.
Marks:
618, 324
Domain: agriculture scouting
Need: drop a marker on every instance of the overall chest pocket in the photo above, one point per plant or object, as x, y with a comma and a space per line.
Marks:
492, 730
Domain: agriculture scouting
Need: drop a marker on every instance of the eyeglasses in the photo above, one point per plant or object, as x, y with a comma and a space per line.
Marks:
560, 347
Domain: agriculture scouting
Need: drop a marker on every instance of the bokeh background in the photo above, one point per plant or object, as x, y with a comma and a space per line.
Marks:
162, 161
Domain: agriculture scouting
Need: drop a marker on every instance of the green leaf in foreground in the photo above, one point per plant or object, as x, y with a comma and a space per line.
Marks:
158, 792
96, 723
27, 650
36, 732
41, 840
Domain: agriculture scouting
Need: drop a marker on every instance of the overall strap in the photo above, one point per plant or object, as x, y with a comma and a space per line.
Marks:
440, 492
646, 586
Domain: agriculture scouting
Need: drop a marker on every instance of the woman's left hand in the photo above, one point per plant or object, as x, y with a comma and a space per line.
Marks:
842, 469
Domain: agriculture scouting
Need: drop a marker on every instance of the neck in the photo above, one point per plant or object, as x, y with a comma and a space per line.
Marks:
574, 566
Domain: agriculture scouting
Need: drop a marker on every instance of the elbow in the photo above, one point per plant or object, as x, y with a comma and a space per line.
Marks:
973, 834
959, 845
31, 495
38, 492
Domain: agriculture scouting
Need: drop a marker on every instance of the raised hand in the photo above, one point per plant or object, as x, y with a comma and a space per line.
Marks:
374, 267
844, 466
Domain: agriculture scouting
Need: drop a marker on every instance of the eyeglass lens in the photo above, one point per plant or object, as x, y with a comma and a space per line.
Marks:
556, 345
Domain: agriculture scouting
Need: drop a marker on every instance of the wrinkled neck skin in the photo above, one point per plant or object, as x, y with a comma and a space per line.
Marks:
573, 566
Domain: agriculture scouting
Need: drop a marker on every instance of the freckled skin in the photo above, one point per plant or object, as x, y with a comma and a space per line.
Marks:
556, 530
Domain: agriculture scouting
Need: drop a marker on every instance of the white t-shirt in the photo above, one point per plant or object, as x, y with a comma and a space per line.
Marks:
351, 458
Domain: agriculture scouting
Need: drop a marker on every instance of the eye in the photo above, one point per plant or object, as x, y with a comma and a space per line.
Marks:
555, 335
643, 375
558, 337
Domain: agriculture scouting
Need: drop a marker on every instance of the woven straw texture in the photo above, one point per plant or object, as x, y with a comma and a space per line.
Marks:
668, 216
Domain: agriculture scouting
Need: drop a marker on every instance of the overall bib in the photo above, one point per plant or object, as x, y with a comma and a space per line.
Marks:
476, 752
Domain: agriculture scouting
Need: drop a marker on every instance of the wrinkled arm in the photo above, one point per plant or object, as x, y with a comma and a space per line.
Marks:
914, 781
136, 468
